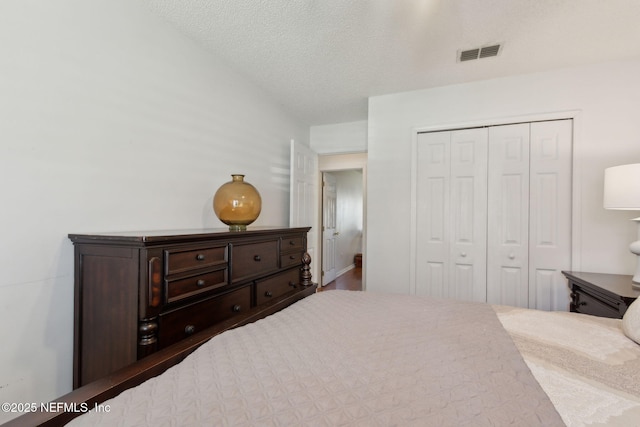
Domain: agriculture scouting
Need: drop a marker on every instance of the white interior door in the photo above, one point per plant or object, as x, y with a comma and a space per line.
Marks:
303, 196
529, 214
432, 216
508, 216
493, 213
469, 214
451, 214
329, 232
550, 213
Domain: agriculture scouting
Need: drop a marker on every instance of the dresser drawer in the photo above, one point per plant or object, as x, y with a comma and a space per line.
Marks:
276, 286
252, 259
177, 261
178, 324
193, 285
293, 243
288, 260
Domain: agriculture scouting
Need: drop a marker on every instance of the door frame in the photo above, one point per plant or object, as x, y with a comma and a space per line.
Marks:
336, 163
576, 174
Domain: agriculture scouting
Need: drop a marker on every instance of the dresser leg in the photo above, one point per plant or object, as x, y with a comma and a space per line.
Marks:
148, 332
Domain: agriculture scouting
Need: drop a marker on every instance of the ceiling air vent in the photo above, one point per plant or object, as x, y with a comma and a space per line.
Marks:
488, 51
481, 52
468, 55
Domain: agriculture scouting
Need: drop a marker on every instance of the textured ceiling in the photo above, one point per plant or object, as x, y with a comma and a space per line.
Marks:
321, 59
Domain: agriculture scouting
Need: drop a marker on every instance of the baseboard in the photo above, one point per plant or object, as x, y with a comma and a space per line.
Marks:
344, 270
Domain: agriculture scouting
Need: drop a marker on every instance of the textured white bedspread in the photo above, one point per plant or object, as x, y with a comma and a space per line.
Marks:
347, 358
587, 366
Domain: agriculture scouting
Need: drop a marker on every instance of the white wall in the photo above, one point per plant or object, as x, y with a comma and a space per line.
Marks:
607, 133
110, 120
350, 137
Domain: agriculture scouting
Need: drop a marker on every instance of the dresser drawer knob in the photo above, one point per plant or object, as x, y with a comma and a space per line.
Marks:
292, 257
236, 308
292, 243
189, 329
200, 282
257, 258
268, 294
292, 284
200, 257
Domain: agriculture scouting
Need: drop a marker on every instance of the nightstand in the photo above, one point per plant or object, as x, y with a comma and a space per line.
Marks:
599, 294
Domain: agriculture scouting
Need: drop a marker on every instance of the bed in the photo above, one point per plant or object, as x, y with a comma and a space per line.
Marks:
367, 359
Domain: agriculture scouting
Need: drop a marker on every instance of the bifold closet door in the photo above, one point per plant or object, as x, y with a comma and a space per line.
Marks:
451, 214
508, 215
529, 214
550, 219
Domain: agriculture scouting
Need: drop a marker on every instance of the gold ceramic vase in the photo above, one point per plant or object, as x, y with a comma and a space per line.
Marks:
237, 203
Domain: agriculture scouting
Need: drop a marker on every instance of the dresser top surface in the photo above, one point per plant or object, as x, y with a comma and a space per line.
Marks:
159, 236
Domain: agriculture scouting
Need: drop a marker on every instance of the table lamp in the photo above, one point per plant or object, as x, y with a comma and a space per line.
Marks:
622, 191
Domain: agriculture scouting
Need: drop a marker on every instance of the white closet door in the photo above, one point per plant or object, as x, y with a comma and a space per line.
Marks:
493, 218
508, 215
468, 217
432, 205
550, 222
451, 214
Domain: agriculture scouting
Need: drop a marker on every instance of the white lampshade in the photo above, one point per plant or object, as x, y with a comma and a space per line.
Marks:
622, 191
622, 187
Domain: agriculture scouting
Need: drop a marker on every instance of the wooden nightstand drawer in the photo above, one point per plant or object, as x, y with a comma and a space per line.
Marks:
253, 259
600, 294
588, 304
275, 286
178, 324
181, 260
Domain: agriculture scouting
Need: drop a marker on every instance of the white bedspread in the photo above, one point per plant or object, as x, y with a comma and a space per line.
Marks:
587, 366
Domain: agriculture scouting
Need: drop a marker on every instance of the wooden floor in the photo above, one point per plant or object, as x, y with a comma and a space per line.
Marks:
350, 281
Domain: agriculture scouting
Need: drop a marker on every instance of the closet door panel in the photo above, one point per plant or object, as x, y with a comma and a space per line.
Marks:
468, 212
550, 223
464, 279
451, 214
432, 204
512, 290
434, 279
508, 215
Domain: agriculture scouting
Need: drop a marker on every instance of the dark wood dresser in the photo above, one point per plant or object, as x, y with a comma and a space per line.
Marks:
139, 292
600, 294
